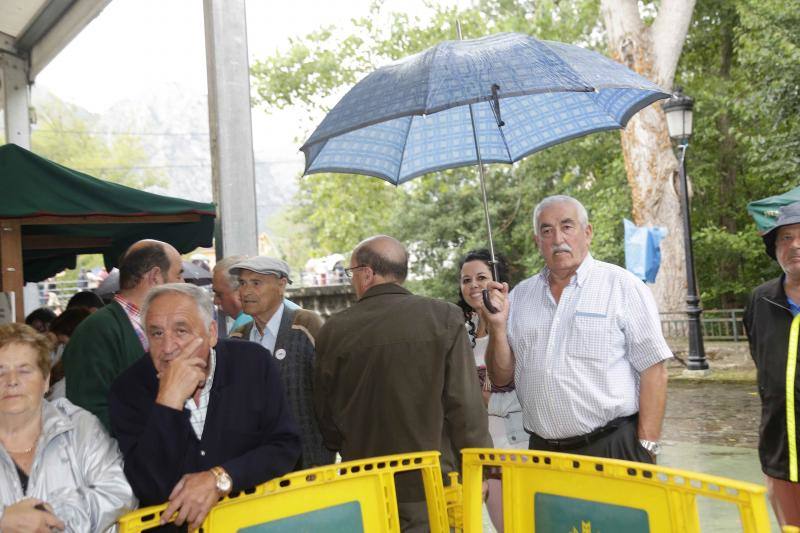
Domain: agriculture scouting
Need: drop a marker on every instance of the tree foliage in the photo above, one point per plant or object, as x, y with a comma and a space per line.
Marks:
64, 135
745, 144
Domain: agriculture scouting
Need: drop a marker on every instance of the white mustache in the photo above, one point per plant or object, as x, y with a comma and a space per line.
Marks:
561, 248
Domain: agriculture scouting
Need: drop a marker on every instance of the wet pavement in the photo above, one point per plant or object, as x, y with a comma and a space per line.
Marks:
708, 412
712, 427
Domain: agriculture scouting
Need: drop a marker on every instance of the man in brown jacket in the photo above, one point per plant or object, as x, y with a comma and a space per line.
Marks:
395, 374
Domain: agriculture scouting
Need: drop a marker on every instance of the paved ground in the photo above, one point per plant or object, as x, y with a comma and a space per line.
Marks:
712, 427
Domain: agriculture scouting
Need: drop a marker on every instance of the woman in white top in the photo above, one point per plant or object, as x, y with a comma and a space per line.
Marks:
505, 413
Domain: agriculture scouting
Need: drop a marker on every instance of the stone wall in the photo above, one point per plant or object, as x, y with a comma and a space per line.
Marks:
325, 300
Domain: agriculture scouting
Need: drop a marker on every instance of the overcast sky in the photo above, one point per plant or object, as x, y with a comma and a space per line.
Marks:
136, 45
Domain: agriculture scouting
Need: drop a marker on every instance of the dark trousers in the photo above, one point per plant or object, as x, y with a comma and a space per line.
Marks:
618, 440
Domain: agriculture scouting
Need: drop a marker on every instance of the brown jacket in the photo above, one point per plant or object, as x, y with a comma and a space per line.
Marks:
395, 374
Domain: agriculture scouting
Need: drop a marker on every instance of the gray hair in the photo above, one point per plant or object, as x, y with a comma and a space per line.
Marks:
201, 299
583, 216
225, 265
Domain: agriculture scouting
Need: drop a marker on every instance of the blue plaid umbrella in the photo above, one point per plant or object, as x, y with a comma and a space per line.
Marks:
495, 99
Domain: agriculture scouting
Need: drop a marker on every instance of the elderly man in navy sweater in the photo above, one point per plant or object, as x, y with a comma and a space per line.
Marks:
199, 417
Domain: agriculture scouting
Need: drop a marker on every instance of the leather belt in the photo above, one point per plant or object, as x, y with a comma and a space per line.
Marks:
579, 441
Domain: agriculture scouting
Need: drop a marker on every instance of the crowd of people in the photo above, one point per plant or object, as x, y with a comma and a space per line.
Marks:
149, 400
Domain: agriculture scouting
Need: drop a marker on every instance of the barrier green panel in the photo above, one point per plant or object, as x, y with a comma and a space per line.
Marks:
344, 518
560, 514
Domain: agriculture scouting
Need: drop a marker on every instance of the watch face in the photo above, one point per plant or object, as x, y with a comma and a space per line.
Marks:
224, 482
656, 449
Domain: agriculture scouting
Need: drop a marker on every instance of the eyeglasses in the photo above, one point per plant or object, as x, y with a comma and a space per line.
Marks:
349, 271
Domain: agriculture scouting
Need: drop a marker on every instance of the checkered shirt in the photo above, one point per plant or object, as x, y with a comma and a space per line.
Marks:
135, 316
578, 360
197, 411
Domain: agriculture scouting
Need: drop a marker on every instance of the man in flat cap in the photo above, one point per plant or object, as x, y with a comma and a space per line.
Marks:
772, 310
290, 336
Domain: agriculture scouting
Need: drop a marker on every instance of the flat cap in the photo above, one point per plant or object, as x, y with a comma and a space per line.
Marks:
787, 215
262, 265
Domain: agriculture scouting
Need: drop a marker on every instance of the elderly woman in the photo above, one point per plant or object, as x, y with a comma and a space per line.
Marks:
59, 468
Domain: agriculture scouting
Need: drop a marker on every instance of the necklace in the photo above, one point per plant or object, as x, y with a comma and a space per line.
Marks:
25, 451
22, 452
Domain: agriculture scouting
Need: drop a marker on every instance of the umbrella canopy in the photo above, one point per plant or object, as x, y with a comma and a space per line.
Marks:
414, 116
61, 213
765, 211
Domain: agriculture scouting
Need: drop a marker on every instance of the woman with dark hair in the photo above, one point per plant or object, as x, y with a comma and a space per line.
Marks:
505, 413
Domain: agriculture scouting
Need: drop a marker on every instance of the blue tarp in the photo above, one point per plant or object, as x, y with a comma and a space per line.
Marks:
643, 250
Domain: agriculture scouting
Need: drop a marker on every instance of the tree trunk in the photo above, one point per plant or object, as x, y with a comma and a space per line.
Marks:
650, 161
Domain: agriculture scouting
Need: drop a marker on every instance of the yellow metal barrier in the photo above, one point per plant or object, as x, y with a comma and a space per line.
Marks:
546, 492
347, 497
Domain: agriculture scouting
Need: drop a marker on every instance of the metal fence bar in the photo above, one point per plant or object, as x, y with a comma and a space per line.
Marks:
718, 324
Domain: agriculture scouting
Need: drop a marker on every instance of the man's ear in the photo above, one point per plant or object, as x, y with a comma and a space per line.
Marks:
212, 334
154, 276
589, 232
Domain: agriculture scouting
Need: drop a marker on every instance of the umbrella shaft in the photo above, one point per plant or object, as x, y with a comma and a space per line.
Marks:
483, 192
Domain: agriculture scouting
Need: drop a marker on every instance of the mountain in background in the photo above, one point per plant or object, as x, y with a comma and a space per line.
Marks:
171, 124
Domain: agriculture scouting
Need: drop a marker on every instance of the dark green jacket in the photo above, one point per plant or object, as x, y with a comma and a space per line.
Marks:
394, 374
101, 347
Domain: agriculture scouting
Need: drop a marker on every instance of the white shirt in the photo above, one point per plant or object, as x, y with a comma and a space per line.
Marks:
578, 361
197, 411
270, 336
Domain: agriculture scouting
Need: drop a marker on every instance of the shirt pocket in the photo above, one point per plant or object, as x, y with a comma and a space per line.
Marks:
591, 340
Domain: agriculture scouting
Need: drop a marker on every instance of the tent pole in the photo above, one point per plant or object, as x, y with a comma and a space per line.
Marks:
11, 265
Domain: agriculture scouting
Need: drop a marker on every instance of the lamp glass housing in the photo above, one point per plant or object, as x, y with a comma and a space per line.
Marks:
679, 122
678, 110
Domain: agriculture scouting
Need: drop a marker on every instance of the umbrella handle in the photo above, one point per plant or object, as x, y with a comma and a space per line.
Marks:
487, 303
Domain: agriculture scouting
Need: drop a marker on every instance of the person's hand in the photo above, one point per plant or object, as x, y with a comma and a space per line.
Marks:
30, 516
498, 295
486, 395
192, 498
183, 375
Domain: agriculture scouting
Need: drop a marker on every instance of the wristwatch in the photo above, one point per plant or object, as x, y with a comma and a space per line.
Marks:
224, 482
653, 447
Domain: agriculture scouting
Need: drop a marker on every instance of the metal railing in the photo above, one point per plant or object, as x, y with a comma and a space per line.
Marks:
56, 293
718, 324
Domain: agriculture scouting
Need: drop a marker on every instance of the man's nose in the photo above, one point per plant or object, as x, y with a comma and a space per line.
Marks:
171, 345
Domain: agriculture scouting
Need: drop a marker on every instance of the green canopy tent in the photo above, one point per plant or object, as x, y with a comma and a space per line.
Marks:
765, 211
49, 214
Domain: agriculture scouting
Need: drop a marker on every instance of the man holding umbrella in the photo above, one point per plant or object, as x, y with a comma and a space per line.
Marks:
582, 341
771, 321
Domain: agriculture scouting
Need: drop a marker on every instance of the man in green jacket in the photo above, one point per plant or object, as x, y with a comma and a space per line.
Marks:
111, 339
395, 374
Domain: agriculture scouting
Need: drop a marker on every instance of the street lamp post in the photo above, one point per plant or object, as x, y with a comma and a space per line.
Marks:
679, 121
